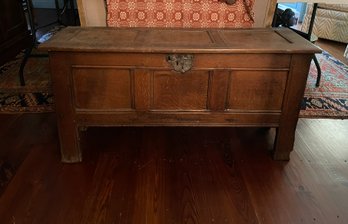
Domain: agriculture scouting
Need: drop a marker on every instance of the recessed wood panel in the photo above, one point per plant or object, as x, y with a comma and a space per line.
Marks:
218, 90
106, 36
102, 89
169, 40
176, 91
252, 39
117, 77
187, 37
256, 90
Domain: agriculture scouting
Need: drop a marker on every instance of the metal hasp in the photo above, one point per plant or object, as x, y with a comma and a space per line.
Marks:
180, 63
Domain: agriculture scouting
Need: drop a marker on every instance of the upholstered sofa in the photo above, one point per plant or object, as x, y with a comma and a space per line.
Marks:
95, 13
331, 21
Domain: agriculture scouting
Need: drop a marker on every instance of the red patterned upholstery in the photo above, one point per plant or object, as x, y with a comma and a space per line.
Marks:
179, 13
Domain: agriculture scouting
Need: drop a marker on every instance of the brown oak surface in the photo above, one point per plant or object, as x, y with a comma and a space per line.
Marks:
176, 175
197, 77
98, 39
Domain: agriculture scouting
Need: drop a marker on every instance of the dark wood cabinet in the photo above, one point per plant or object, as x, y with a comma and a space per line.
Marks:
14, 34
177, 77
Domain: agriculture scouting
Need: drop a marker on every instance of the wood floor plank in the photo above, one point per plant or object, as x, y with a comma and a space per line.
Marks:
316, 191
179, 175
6, 121
19, 134
207, 182
113, 181
23, 195
297, 187
175, 175
334, 48
25, 131
324, 144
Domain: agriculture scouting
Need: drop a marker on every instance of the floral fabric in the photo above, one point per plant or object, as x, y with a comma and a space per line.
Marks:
179, 13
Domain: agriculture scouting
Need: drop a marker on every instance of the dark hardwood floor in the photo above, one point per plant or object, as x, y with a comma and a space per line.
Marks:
336, 49
173, 175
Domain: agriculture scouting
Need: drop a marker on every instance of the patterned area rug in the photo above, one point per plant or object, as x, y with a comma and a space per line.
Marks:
330, 100
35, 96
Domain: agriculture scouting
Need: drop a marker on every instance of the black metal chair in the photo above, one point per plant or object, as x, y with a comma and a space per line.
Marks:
308, 36
28, 9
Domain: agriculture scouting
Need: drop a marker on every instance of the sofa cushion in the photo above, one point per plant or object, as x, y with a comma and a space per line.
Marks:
328, 24
179, 13
335, 7
333, 15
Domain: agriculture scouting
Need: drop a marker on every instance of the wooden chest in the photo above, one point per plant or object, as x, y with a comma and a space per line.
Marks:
177, 77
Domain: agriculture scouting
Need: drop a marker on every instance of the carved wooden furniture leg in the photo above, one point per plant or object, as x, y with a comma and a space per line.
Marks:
285, 135
67, 127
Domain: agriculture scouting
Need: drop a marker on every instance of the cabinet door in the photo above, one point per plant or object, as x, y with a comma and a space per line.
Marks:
14, 33
12, 18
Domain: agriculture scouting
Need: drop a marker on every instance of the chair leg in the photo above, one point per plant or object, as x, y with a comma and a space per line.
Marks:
318, 70
24, 62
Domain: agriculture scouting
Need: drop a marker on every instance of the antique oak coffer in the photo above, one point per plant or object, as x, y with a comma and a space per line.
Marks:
177, 77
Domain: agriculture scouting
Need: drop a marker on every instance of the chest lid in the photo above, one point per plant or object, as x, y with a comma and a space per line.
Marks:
175, 40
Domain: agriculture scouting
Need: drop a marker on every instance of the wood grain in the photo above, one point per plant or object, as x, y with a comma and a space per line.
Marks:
336, 49
102, 89
67, 127
212, 79
256, 90
14, 36
291, 106
162, 40
177, 175
175, 91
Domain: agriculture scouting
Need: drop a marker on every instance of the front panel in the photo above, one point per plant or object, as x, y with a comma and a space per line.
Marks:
256, 90
105, 88
102, 88
177, 91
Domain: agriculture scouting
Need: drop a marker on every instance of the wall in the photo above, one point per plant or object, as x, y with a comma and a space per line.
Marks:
264, 11
92, 13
